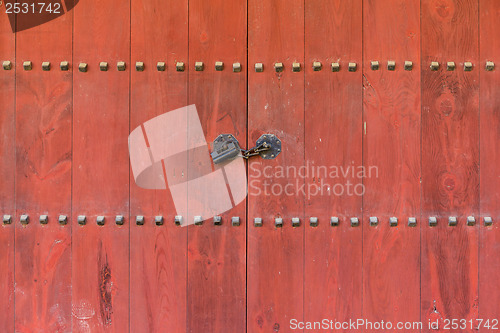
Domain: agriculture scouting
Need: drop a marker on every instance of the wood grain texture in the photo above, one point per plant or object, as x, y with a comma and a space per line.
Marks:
391, 154
275, 277
101, 173
489, 265
43, 178
333, 108
450, 161
158, 254
217, 254
7, 172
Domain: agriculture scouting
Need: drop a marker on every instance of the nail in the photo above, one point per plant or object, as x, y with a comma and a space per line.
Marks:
235, 221
82, 219
412, 221
408, 65
198, 66
452, 221
278, 222
313, 221
160, 66
159, 220
219, 66
119, 220
139, 220
295, 222
236, 67
100, 220
334, 221
178, 220
64, 65
46, 66
391, 65
373, 221
335, 67
432, 221
257, 222
103, 66
471, 220
44, 219
374, 65
121, 66
393, 221
259, 67
217, 220
354, 222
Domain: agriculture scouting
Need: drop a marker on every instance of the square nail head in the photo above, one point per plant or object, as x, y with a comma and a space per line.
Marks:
412, 221
432, 221
24, 219
374, 65
334, 221
278, 67
452, 221
219, 66
235, 221
120, 65
393, 221
139, 220
335, 67
159, 220
296, 67
317, 66
354, 222
490, 65
82, 67
27, 65
450, 66
259, 67
179, 66
408, 65
7, 65
257, 222
46, 66
313, 221
199, 66
100, 220
44, 219
352, 67
278, 222
295, 222
488, 221
119, 219
7, 219
391, 65
373, 221
434, 66
178, 220
198, 220
236, 67
63, 219
217, 220
64, 65
139, 66
103, 66
81, 219
161, 66
471, 220
468, 66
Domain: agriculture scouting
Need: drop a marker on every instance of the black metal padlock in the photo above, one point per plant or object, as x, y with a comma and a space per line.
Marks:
226, 147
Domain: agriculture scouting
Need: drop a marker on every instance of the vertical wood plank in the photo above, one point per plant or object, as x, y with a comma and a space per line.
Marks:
217, 254
43, 177
158, 254
450, 161
100, 178
489, 265
333, 108
7, 172
391, 158
275, 276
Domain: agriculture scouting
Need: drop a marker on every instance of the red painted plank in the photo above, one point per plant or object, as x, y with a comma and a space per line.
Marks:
391, 156
43, 178
100, 270
333, 260
450, 162
276, 105
489, 265
217, 254
7, 172
158, 254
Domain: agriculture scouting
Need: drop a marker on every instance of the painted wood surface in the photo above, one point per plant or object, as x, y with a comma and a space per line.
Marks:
158, 254
391, 156
333, 109
100, 278
450, 162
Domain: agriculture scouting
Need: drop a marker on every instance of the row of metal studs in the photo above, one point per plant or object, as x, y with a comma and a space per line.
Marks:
235, 220
259, 67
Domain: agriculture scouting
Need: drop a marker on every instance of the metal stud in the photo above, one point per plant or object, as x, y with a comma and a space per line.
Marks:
219, 66
139, 220
296, 67
335, 67
257, 222
199, 66
487, 221
467, 66
490, 65
313, 221
178, 220
373, 221
119, 220
434, 66
179, 67
236, 67
450, 66
317, 66
81, 219
103, 66
7, 65
412, 221
64, 65
159, 220
160, 66
391, 65
100, 220
120, 65
217, 220
432, 221
82, 67
354, 222
235, 221
44, 219
259, 67
352, 67
7, 219
471, 221
295, 222
63, 219
278, 67
25, 219
452, 221
374, 65
27, 65
139, 66
393, 221
408, 65
46, 66
278, 222
198, 220
334, 221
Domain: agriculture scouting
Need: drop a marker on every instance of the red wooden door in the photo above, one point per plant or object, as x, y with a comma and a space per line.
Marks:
379, 213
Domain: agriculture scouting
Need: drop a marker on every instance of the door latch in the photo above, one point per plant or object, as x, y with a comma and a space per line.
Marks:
226, 148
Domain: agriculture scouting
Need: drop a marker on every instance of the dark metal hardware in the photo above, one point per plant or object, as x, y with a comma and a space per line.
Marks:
25, 219
235, 221
139, 220
295, 222
452, 221
354, 222
7, 219
488, 221
44, 219
217, 220
257, 221
393, 221
46, 66
313, 221
100, 220
64, 65
334, 221
391, 65
103, 66
432, 221
373, 221
178, 220
198, 220
63, 219
278, 222
471, 220
412, 221
119, 220
159, 220
226, 148
160, 66
82, 219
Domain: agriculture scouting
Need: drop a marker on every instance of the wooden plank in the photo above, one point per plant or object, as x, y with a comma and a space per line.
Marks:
158, 254
333, 105
489, 265
100, 270
217, 254
43, 177
276, 105
450, 162
7, 172
391, 156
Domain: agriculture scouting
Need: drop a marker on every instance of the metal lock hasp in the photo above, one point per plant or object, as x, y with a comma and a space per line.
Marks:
226, 148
